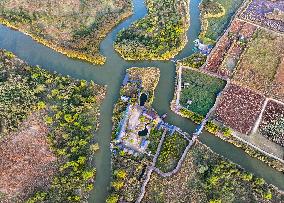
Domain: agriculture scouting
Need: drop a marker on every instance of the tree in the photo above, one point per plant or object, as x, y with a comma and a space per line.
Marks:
112, 198
95, 147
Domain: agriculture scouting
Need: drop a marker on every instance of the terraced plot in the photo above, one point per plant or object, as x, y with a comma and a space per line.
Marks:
260, 64
266, 13
224, 58
239, 108
272, 124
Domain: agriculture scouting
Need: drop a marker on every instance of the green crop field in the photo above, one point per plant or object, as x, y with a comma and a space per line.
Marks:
201, 90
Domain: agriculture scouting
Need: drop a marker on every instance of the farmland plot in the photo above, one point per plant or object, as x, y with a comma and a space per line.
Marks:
272, 124
239, 108
260, 63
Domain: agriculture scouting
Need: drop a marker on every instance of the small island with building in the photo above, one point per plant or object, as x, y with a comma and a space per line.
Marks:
142, 141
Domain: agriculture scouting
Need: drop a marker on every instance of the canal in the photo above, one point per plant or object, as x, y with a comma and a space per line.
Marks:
111, 74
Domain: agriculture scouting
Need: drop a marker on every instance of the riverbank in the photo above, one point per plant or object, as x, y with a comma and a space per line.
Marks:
69, 53
79, 42
215, 17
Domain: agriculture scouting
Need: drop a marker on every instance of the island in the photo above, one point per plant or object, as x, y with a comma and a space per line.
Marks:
158, 36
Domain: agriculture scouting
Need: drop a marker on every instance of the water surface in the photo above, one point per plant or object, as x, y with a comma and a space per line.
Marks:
111, 74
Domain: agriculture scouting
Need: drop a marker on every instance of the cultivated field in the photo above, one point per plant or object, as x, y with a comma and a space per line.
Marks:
200, 91
268, 13
260, 63
272, 124
239, 108
224, 58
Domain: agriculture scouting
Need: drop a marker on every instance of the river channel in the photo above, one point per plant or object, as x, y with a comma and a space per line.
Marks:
111, 74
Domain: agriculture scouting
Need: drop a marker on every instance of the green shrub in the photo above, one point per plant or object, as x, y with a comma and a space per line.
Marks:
194, 61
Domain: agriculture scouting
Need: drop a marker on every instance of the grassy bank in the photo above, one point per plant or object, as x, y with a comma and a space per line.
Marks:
71, 28
215, 17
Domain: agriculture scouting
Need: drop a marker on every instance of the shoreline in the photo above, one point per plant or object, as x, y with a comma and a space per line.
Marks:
98, 59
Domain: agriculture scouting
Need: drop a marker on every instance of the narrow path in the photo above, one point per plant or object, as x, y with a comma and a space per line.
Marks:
177, 168
260, 116
151, 168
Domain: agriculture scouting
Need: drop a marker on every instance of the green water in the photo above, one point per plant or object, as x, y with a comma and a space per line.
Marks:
111, 74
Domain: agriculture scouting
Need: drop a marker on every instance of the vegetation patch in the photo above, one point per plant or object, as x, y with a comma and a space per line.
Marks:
272, 124
160, 35
200, 91
71, 114
215, 17
72, 27
128, 176
194, 61
260, 62
171, 152
208, 177
267, 13
154, 138
196, 118
149, 78
239, 108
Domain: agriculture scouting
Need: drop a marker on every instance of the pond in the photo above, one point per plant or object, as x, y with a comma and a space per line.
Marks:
143, 99
143, 132
111, 74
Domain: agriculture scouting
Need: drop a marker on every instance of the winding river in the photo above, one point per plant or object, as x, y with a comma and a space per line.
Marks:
111, 74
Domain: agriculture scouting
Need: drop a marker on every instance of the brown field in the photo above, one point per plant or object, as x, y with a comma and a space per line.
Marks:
26, 162
260, 63
271, 125
239, 108
225, 57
